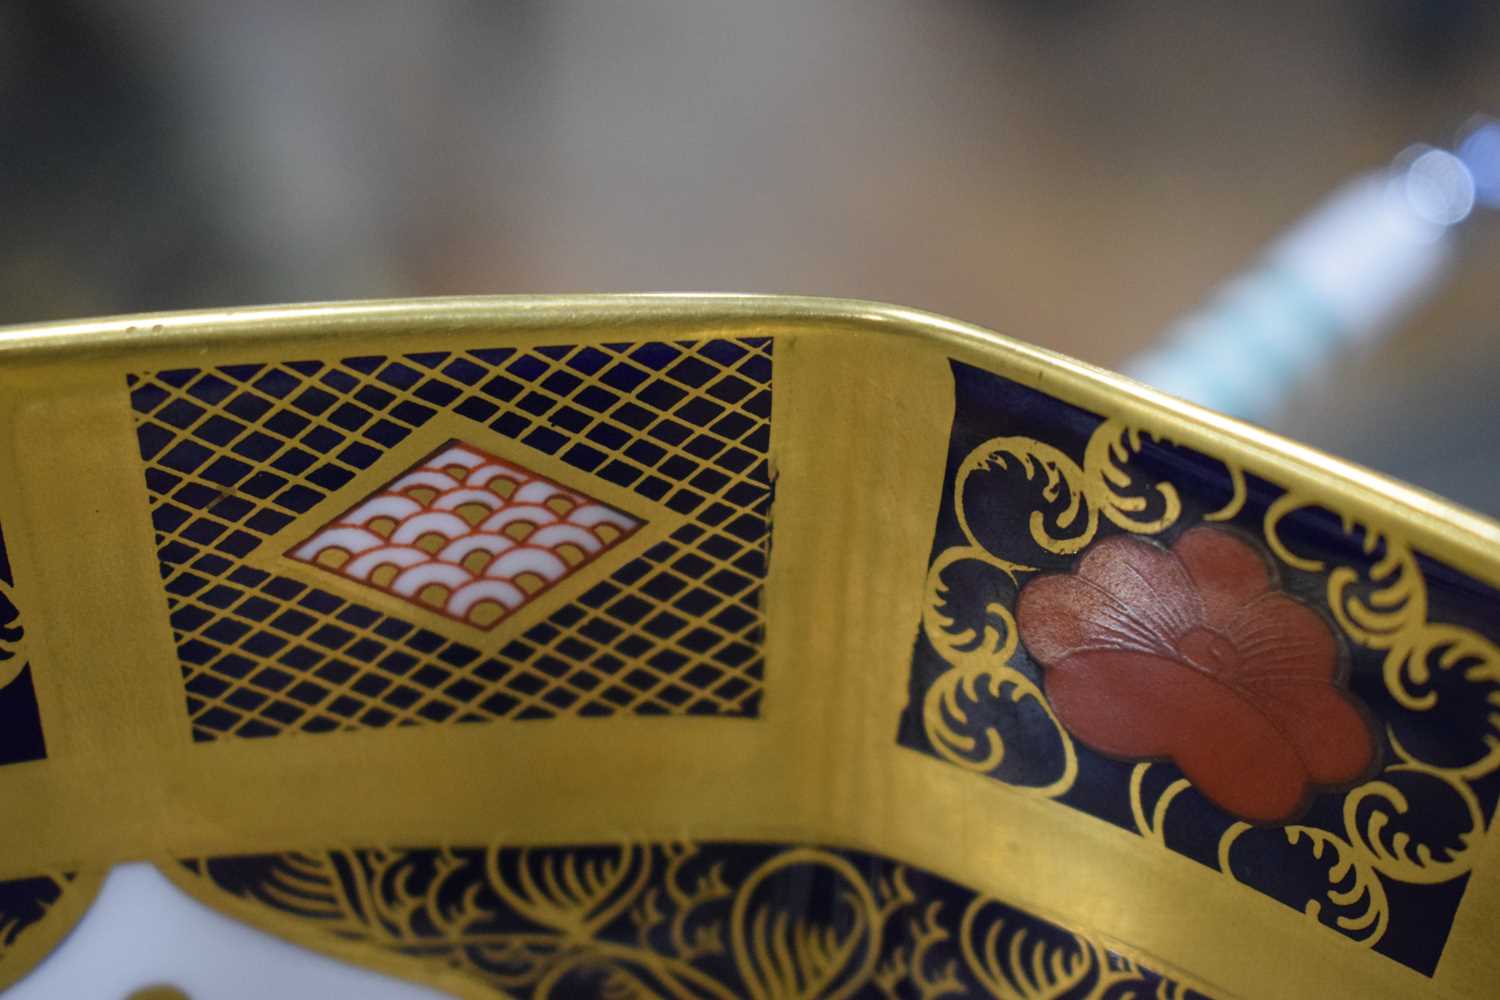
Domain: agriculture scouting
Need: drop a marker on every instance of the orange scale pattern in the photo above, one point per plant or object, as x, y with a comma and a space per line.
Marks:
468, 535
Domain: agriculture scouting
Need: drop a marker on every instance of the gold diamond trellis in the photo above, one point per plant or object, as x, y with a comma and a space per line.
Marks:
235, 454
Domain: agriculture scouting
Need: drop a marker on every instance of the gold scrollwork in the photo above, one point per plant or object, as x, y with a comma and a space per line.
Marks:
1046, 969
913, 966
1152, 827
1106, 461
13, 924
36, 912
1020, 965
695, 935
1357, 896
980, 669
1062, 481
1395, 853
1380, 604
1385, 608
1351, 883
979, 656
781, 955
12, 636
1237, 497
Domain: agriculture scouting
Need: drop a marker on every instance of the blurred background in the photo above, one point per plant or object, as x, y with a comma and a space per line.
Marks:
1070, 172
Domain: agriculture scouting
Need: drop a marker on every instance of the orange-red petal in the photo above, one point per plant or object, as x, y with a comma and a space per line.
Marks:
1227, 572
1331, 736
1280, 637
1191, 654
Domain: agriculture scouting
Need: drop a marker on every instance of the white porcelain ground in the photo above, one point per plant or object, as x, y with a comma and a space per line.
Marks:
144, 931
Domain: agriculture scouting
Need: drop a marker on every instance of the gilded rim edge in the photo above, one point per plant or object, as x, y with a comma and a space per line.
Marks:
1439, 527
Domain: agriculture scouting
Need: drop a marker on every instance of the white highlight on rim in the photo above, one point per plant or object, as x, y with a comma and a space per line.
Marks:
445, 524
351, 540
440, 481
471, 594
554, 535
457, 455
509, 515
386, 505
528, 559
593, 514
458, 549
412, 580
487, 473
392, 555
465, 494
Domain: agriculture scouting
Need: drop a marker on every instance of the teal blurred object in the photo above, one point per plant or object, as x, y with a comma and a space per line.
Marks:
1342, 277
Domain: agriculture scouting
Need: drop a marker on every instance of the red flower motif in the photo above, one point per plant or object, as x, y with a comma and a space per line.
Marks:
1195, 655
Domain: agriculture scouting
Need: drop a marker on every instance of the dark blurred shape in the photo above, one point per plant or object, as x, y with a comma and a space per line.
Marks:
1430, 41
1077, 174
95, 189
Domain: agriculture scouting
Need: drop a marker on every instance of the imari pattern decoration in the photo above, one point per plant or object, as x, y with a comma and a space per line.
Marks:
20, 718
1230, 670
716, 920
467, 535
23, 903
449, 637
35, 913
321, 575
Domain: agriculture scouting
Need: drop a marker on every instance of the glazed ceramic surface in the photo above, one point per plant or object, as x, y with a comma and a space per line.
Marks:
724, 646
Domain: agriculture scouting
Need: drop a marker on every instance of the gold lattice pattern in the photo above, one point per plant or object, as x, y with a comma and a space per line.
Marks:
235, 454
